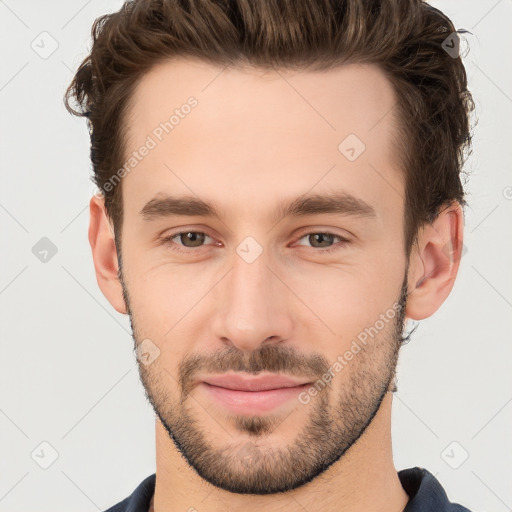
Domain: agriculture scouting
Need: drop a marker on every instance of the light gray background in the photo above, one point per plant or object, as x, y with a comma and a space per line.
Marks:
67, 371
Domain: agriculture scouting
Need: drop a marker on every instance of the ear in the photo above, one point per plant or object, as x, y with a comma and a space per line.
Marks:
104, 254
434, 262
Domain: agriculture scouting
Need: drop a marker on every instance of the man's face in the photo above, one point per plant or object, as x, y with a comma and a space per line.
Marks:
255, 290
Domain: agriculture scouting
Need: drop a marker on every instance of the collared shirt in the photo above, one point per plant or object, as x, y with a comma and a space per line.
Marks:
425, 494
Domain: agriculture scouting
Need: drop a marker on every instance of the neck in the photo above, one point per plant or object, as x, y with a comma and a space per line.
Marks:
363, 479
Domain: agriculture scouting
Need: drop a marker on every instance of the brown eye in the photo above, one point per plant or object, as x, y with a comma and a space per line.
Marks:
321, 239
185, 240
324, 241
194, 238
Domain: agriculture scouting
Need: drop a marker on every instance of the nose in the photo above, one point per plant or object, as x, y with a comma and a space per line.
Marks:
254, 306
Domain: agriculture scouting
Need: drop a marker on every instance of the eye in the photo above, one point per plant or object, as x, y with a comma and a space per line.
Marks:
187, 239
184, 240
321, 237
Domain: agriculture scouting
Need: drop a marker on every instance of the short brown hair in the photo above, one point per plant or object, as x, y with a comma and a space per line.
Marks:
403, 37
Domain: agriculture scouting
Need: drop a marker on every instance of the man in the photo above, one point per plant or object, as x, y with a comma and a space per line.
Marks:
280, 192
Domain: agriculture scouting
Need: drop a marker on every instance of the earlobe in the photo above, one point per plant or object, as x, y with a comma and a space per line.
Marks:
104, 254
434, 263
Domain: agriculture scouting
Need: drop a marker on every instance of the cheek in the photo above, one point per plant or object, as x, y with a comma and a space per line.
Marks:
343, 291
341, 303
164, 298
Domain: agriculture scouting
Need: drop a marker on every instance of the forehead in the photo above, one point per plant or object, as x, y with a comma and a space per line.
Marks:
334, 101
262, 133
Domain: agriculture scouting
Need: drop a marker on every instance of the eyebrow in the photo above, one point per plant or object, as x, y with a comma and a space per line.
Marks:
341, 203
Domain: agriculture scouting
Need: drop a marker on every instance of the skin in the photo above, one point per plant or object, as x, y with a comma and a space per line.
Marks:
257, 138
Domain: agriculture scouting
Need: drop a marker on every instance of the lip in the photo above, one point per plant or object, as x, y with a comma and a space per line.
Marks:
252, 395
261, 383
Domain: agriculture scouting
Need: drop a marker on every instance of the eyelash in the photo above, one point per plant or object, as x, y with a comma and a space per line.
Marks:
172, 245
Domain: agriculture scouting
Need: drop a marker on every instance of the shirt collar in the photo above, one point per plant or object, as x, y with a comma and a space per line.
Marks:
425, 492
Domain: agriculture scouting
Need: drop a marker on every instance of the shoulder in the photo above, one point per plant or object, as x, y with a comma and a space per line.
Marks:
426, 492
139, 500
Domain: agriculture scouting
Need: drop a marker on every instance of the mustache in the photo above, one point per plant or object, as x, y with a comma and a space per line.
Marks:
268, 358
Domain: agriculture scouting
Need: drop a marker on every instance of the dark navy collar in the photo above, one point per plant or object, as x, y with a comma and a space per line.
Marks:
425, 492
139, 500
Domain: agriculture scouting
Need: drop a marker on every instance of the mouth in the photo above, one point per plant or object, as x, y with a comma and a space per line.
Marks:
261, 383
254, 395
